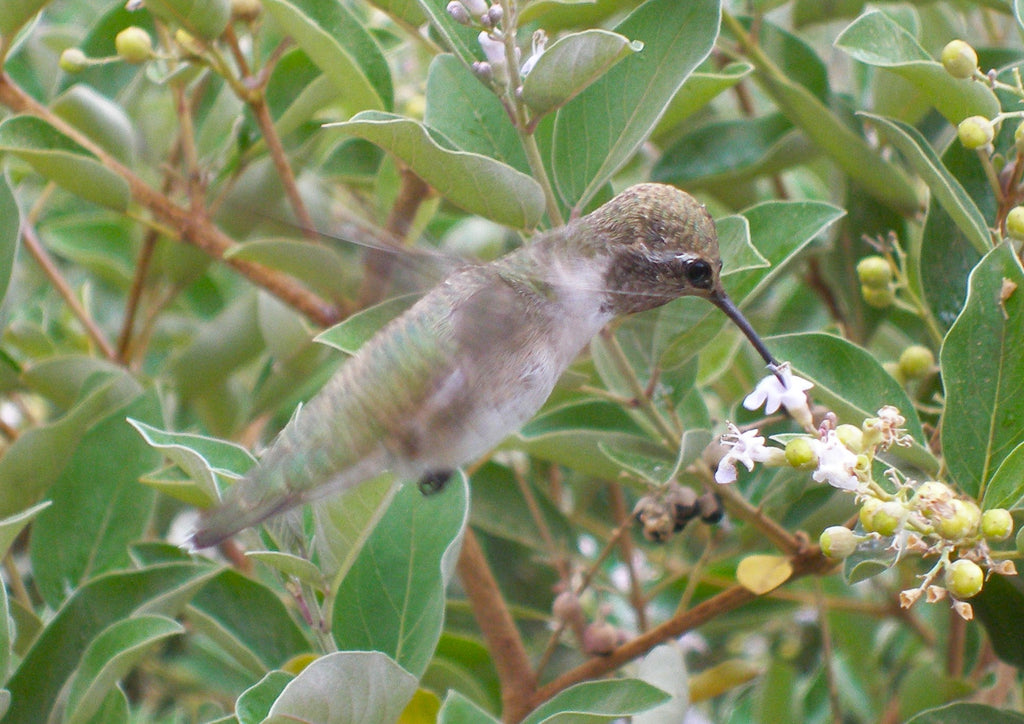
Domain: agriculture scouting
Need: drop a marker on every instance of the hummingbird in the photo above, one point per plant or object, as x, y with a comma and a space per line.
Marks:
476, 357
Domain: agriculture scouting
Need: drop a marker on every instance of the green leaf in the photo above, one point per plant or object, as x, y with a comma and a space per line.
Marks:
10, 232
469, 115
16, 13
596, 701
110, 657
353, 332
457, 709
571, 64
1006, 488
341, 47
981, 370
205, 19
315, 265
57, 158
99, 118
500, 510
11, 526
343, 523
478, 184
967, 713
98, 506
159, 590
616, 113
376, 691
248, 620
702, 85
202, 458
874, 38
36, 459
392, 599
999, 607
62, 378
945, 188
290, 565
254, 704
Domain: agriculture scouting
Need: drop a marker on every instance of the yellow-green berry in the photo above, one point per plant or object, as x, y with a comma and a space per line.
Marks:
959, 59
851, 436
879, 298
1015, 223
959, 520
800, 454
73, 60
976, 132
916, 361
964, 578
837, 541
134, 45
875, 272
996, 524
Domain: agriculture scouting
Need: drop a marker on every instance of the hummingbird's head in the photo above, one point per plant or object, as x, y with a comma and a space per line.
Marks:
662, 245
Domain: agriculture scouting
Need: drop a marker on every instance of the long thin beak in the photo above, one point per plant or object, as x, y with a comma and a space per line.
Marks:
721, 300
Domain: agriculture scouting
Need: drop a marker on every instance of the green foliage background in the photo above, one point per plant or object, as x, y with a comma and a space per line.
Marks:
175, 234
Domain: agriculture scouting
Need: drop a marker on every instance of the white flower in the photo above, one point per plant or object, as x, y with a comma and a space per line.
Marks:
742, 447
782, 389
836, 464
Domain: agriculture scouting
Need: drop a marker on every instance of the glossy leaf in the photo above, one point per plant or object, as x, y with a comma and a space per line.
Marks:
392, 599
110, 657
618, 112
98, 506
967, 713
202, 458
353, 332
57, 158
457, 709
11, 526
254, 704
344, 523
945, 188
100, 119
478, 184
376, 691
10, 220
469, 115
598, 701
205, 19
874, 38
36, 459
571, 64
341, 47
1006, 488
160, 590
999, 607
248, 620
981, 371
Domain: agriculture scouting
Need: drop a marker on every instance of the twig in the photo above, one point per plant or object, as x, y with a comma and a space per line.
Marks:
518, 682
636, 594
49, 267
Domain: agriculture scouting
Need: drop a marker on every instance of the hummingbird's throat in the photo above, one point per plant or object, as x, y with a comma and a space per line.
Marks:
721, 300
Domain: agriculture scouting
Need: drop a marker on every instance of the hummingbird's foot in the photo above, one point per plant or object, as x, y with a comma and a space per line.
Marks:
434, 481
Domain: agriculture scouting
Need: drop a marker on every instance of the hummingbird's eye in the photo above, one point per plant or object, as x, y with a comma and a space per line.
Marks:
699, 274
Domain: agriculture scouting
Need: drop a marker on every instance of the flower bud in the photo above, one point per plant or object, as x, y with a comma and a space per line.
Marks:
477, 8
852, 437
879, 298
837, 541
959, 59
916, 361
495, 14
964, 578
976, 132
73, 60
459, 13
1014, 222
996, 524
567, 609
134, 45
800, 454
875, 272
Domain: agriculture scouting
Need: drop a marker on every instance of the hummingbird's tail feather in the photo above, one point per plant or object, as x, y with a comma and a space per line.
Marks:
233, 515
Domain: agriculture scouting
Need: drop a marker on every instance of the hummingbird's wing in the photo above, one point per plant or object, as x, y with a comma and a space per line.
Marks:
441, 385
